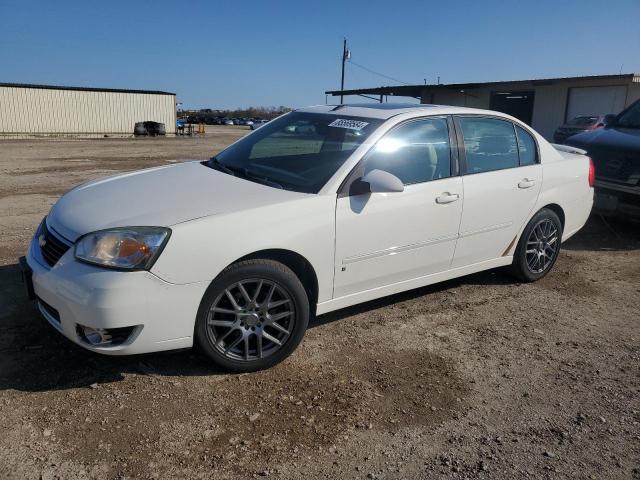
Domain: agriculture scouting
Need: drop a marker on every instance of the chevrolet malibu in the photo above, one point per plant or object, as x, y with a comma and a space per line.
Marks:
320, 209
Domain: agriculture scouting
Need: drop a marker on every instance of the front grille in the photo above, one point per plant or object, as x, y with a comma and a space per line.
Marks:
50, 246
617, 167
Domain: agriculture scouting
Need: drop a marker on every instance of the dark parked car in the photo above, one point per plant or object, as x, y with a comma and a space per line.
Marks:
615, 150
151, 129
581, 124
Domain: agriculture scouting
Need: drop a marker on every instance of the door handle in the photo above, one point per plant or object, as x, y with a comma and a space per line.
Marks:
447, 198
526, 183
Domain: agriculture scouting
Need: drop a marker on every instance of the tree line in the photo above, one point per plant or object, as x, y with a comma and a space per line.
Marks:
267, 113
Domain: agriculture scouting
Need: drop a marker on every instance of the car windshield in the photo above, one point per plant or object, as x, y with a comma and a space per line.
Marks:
583, 121
298, 151
630, 118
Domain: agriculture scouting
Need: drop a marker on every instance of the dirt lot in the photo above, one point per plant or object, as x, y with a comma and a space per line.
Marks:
480, 377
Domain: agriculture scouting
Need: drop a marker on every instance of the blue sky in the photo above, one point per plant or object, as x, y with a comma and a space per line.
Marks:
241, 53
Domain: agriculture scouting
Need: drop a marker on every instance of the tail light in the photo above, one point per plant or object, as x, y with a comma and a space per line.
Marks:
592, 173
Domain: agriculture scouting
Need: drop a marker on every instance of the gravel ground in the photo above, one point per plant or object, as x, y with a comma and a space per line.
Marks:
480, 377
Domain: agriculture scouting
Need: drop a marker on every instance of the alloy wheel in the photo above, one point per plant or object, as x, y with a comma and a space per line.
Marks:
251, 319
542, 246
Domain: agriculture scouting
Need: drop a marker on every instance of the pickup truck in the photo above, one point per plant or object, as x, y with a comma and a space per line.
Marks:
615, 151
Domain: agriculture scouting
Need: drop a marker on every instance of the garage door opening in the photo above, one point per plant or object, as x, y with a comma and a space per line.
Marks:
595, 101
518, 104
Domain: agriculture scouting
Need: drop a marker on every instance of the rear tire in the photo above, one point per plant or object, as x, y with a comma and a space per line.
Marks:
252, 316
539, 246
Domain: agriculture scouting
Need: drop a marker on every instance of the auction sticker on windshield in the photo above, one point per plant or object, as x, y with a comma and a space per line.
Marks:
350, 124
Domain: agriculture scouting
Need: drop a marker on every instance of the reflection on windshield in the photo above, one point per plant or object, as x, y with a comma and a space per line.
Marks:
586, 121
298, 151
630, 118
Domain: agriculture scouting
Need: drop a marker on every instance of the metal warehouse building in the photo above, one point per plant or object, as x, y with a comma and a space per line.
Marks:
544, 104
33, 110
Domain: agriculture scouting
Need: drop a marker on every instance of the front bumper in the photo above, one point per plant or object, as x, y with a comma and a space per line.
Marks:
72, 293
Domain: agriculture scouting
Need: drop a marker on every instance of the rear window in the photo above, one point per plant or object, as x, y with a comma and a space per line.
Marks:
526, 147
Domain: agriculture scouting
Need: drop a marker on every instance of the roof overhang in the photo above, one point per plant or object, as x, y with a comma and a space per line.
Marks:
416, 90
83, 89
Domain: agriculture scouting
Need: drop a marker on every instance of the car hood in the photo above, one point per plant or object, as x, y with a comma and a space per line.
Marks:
161, 196
615, 138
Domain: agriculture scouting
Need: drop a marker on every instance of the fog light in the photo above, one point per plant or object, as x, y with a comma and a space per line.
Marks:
98, 337
104, 337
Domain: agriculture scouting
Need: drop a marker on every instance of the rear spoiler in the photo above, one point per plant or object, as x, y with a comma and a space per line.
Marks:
568, 149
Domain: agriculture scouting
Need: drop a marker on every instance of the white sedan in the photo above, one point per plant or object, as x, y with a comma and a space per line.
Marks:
320, 209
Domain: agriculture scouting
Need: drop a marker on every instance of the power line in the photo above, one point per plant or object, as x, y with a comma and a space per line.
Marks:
378, 73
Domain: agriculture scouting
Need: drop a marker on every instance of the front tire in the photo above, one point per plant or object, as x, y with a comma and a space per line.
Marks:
538, 247
252, 316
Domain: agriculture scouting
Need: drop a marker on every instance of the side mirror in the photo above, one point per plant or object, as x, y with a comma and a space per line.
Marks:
377, 181
609, 119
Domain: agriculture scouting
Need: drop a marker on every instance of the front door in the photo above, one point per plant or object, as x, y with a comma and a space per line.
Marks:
502, 179
385, 238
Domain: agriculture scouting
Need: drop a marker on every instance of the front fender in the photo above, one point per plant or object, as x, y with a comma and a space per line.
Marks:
200, 249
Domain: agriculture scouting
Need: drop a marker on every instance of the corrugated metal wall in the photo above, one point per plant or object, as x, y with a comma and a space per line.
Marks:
48, 111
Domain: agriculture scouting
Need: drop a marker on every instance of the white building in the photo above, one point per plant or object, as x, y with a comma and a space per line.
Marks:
43, 110
545, 104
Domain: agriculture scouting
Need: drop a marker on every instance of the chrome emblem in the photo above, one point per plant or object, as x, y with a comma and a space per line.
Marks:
42, 241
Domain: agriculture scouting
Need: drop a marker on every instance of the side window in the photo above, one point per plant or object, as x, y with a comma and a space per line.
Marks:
415, 152
489, 144
526, 147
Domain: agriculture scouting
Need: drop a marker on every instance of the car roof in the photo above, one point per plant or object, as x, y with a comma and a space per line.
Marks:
388, 110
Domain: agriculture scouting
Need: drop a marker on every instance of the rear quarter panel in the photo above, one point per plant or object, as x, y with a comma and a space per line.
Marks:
566, 183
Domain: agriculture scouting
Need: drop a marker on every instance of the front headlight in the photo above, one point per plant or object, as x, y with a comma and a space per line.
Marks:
127, 248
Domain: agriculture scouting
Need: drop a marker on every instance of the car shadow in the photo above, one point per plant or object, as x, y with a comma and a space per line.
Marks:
605, 234
35, 357
497, 276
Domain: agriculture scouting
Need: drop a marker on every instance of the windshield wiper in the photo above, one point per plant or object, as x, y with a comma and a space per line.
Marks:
267, 181
242, 172
218, 165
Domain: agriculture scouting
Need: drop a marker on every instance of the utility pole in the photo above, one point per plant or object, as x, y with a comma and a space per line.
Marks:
346, 54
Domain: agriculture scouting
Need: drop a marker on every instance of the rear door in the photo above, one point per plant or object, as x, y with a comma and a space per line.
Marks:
386, 238
501, 178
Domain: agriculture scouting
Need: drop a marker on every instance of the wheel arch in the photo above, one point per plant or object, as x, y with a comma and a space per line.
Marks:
558, 210
517, 269
554, 207
297, 263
